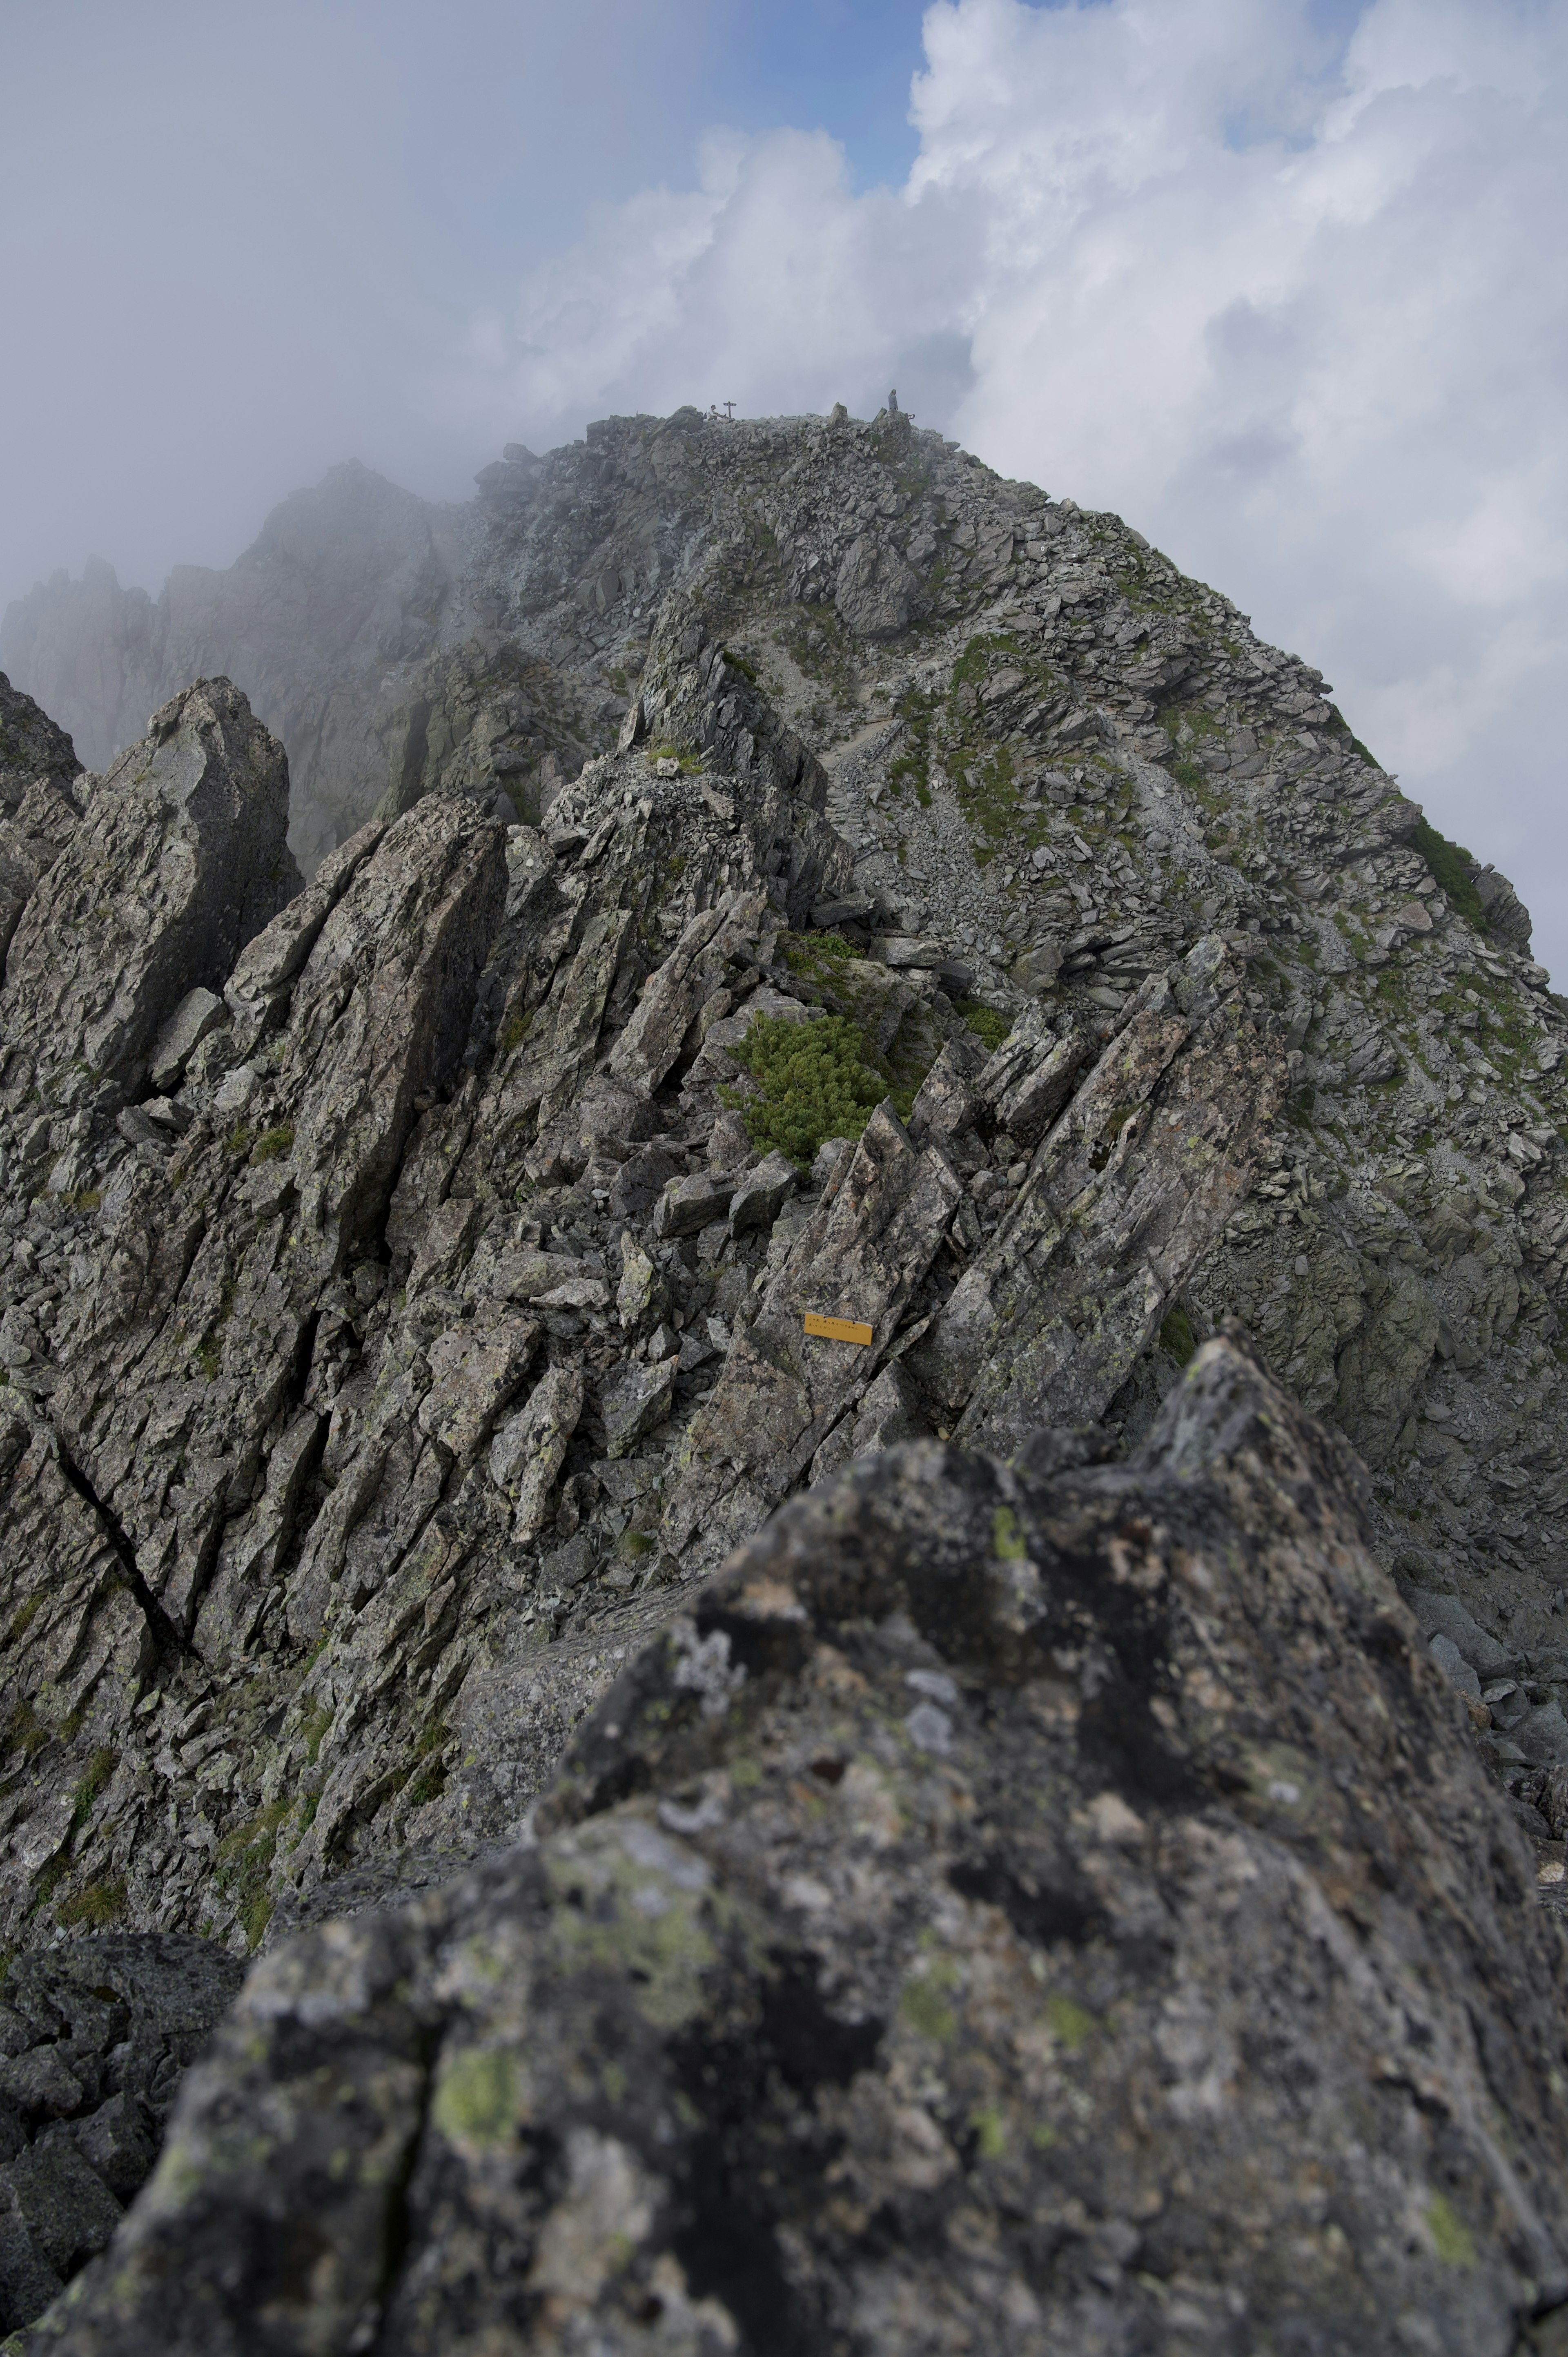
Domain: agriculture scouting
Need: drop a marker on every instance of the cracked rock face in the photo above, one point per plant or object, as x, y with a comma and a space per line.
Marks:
405, 1287
964, 1927
177, 858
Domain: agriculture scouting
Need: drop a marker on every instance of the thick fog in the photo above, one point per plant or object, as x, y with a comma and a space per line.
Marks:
1282, 284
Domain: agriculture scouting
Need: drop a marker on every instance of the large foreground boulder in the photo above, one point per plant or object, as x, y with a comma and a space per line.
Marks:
1047, 1907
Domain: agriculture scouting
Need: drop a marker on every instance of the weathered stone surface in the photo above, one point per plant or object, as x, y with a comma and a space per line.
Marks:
877, 592
95, 2035
32, 835
908, 950
528, 1453
1445, 1616
861, 1256
949, 1098
762, 1193
271, 962
199, 1013
1032, 1102
179, 858
39, 801
1506, 916
892, 1411
690, 976
1131, 1186
32, 748
637, 1402
691, 1203
941, 1937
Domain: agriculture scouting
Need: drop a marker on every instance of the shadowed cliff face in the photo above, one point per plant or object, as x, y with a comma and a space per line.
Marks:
1005, 1911
966, 929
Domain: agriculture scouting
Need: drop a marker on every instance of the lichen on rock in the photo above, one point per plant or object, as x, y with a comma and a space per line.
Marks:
996, 1919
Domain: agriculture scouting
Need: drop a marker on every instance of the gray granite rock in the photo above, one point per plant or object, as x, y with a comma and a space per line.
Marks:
314, 1544
1445, 1616
198, 1014
977, 1848
95, 2035
635, 1402
762, 1193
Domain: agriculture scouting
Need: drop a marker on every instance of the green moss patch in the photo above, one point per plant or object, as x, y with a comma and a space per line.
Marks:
100, 1904
23, 1617
690, 762
429, 1779
818, 957
100, 1768
244, 1859
1451, 2238
25, 1731
1177, 1339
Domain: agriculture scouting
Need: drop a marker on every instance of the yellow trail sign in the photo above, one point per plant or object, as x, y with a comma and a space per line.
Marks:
837, 1329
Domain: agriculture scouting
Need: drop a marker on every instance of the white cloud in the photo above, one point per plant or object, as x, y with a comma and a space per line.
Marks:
770, 284
1304, 317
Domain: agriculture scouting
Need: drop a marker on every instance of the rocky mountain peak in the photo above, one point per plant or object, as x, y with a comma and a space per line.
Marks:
829, 996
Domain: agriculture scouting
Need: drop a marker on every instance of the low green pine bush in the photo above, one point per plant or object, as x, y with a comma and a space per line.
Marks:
989, 1025
1450, 863
812, 1082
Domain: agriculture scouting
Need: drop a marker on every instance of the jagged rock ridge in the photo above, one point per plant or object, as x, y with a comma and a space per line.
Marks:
397, 1314
440, 1303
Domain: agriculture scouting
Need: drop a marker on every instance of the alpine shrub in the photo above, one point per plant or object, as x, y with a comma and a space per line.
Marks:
1450, 864
811, 1082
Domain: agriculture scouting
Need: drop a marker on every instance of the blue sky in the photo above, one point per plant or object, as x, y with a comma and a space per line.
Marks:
483, 198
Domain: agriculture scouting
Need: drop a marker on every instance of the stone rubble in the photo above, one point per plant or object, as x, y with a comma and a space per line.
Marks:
95, 2035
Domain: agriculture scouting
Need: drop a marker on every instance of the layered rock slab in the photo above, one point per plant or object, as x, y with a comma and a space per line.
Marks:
1130, 1187
179, 857
997, 1891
